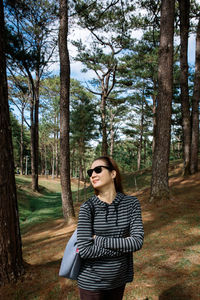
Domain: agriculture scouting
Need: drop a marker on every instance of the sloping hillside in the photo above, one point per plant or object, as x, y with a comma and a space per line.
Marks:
167, 267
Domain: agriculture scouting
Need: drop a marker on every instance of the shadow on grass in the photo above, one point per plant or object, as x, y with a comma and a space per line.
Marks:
167, 266
38, 209
169, 260
176, 292
45, 241
136, 181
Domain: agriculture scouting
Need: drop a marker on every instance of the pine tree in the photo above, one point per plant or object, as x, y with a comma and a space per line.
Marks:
110, 30
29, 51
19, 95
50, 111
11, 263
159, 183
67, 204
184, 8
83, 123
195, 107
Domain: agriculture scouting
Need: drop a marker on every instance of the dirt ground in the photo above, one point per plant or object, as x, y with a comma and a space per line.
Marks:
167, 267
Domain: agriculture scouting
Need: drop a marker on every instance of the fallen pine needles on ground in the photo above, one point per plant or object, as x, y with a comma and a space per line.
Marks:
167, 267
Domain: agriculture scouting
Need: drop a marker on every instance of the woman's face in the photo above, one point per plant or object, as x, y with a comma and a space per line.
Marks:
102, 180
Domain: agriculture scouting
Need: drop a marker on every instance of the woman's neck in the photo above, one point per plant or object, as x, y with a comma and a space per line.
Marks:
107, 196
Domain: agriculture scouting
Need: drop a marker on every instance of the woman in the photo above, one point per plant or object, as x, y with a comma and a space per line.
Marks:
109, 230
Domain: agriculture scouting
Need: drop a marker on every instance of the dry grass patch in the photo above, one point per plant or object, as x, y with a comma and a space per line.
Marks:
167, 268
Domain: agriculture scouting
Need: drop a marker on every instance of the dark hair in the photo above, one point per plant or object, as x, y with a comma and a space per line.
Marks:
113, 166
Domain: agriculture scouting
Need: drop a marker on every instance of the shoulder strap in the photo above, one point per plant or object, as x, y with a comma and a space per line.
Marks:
91, 206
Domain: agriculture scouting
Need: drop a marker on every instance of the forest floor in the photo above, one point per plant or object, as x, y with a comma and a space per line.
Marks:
167, 267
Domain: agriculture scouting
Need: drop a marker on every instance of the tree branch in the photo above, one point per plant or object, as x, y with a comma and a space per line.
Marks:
95, 93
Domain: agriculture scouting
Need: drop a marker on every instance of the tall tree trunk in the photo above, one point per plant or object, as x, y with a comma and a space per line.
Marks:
22, 142
81, 176
43, 160
34, 110
106, 90
57, 170
36, 144
179, 147
67, 203
159, 182
184, 6
104, 150
154, 124
78, 188
195, 108
53, 163
54, 152
141, 134
112, 133
11, 262
145, 151
72, 163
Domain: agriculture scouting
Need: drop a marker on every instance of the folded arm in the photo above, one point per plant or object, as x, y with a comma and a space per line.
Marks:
85, 241
129, 244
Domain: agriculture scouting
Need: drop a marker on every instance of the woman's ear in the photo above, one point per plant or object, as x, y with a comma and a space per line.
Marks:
113, 174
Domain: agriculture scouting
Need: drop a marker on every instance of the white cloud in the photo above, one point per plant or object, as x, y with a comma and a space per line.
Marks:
77, 33
76, 73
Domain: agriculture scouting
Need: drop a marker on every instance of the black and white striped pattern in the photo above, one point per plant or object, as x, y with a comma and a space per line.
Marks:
107, 260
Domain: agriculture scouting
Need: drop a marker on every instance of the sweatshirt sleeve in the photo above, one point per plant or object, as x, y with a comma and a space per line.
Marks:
129, 244
85, 240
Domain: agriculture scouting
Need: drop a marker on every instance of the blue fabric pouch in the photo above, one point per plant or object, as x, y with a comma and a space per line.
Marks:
71, 260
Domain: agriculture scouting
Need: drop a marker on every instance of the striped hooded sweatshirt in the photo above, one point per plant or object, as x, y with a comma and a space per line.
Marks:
107, 259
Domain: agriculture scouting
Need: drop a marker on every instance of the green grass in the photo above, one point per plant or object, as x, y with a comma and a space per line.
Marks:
46, 205
167, 267
39, 207
136, 181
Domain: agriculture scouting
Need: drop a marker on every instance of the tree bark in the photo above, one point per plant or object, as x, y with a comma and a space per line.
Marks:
195, 108
34, 110
159, 182
35, 141
145, 151
67, 203
11, 262
184, 6
37, 103
154, 123
106, 90
104, 150
22, 141
57, 168
53, 163
81, 176
141, 135
112, 134
42, 155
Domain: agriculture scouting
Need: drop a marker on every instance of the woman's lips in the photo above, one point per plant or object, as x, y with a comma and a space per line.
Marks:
94, 181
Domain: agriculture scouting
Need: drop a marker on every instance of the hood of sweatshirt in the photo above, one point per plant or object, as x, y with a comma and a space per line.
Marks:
106, 206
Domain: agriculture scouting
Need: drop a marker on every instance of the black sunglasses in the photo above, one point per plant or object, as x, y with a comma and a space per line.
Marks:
97, 170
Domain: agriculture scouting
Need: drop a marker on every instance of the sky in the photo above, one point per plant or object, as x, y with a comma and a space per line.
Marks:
77, 66
76, 33
82, 34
